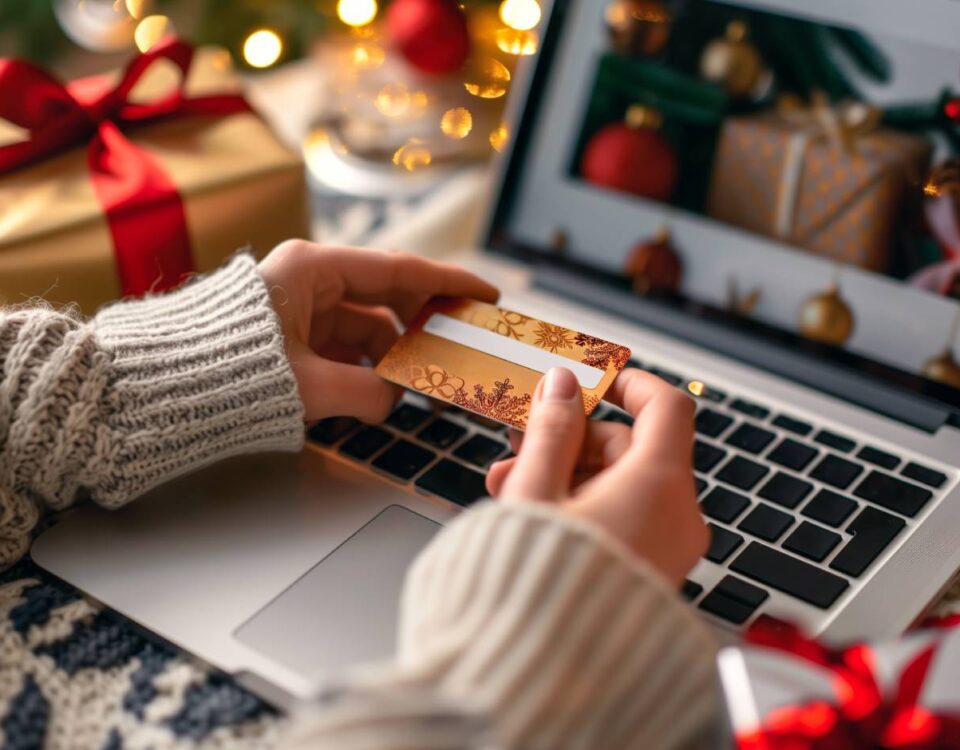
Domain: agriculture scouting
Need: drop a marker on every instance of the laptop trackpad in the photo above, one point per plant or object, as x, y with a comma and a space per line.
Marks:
343, 611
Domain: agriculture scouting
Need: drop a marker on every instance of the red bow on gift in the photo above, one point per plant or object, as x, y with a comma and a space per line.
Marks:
142, 205
863, 717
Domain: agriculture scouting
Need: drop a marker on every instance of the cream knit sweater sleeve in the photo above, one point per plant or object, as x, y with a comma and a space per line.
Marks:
144, 391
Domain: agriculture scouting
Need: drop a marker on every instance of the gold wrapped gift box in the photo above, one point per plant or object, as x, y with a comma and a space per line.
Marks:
239, 185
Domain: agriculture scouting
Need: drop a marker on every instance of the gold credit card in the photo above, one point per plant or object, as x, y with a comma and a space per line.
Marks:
488, 360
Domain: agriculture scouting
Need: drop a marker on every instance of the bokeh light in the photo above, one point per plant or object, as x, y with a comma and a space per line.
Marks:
522, 15
412, 155
519, 43
489, 81
150, 31
499, 138
357, 12
262, 48
456, 123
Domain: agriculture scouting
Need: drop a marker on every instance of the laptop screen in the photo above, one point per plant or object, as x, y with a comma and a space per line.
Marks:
786, 165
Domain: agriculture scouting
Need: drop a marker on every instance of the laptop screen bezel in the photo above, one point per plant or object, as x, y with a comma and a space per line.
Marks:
526, 99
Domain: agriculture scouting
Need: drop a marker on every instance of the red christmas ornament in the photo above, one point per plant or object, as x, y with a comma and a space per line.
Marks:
654, 266
951, 109
431, 34
632, 156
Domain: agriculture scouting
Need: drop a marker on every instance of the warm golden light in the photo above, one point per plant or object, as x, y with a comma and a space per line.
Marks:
367, 56
221, 59
522, 15
137, 8
519, 43
262, 48
357, 12
150, 31
393, 99
499, 138
412, 155
490, 81
696, 387
456, 123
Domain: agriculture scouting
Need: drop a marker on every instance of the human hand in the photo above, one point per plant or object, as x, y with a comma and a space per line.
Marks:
339, 305
635, 483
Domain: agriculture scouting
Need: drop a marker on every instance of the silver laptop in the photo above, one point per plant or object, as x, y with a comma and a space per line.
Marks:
828, 474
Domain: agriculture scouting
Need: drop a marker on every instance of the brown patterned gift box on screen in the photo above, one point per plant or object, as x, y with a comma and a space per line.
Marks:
238, 185
807, 178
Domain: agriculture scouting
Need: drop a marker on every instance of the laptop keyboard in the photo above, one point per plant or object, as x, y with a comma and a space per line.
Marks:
791, 506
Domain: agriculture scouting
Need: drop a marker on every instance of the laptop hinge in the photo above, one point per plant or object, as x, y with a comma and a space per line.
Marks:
841, 382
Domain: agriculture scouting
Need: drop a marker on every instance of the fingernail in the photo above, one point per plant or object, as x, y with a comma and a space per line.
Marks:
559, 384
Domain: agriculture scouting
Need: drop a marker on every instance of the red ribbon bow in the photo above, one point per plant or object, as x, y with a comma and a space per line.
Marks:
863, 717
142, 205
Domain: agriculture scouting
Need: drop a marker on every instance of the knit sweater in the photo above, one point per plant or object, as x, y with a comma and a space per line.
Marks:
520, 627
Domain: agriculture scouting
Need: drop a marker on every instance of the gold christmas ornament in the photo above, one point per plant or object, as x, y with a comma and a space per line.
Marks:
638, 27
826, 318
733, 62
943, 368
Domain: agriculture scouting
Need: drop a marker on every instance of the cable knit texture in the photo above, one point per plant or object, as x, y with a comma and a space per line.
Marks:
524, 628
143, 392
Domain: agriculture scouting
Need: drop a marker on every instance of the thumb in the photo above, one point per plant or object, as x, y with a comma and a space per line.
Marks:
337, 389
544, 465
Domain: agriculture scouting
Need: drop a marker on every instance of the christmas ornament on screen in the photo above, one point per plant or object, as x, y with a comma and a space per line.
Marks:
638, 27
826, 318
742, 304
654, 266
633, 156
733, 62
101, 25
944, 367
431, 34
941, 205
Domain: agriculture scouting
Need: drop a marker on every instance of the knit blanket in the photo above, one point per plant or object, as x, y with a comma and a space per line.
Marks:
75, 675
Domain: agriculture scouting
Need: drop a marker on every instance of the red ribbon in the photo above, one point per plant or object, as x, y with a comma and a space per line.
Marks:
143, 208
862, 718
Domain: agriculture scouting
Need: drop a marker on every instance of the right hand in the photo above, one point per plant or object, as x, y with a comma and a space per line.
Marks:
635, 483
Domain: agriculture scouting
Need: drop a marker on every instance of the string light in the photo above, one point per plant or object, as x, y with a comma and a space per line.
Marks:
513, 42
499, 138
491, 82
262, 48
456, 123
357, 12
521, 15
150, 31
412, 155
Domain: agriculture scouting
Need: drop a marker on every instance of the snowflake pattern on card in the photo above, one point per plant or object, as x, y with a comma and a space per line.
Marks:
497, 404
602, 354
551, 337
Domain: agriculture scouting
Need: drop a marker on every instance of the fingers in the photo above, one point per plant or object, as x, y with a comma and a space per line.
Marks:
373, 277
548, 456
498, 474
367, 331
330, 388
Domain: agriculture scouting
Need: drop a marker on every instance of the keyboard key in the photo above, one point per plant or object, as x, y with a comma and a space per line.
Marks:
403, 459
742, 472
833, 440
616, 415
792, 454
705, 456
453, 481
785, 490
634, 364
407, 417
750, 438
700, 390
690, 589
892, 493
701, 485
830, 508
922, 474
811, 541
872, 530
722, 543
766, 522
836, 471
878, 457
365, 443
790, 575
480, 450
441, 433
328, 431
712, 423
792, 425
487, 423
751, 410
723, 504
671, 377
734, 600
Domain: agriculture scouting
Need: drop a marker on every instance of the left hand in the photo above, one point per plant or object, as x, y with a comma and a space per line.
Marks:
339, 305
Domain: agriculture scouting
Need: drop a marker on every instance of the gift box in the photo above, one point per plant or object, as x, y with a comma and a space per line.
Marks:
823, 178
126, 184
785, 691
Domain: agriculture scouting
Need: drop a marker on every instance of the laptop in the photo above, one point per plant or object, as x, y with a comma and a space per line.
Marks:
827, 472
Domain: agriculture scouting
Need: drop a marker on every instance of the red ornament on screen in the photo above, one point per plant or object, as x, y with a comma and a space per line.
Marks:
431, 34
636, 160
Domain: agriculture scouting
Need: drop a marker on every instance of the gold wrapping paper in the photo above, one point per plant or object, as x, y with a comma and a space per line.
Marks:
847, 202
240, 187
